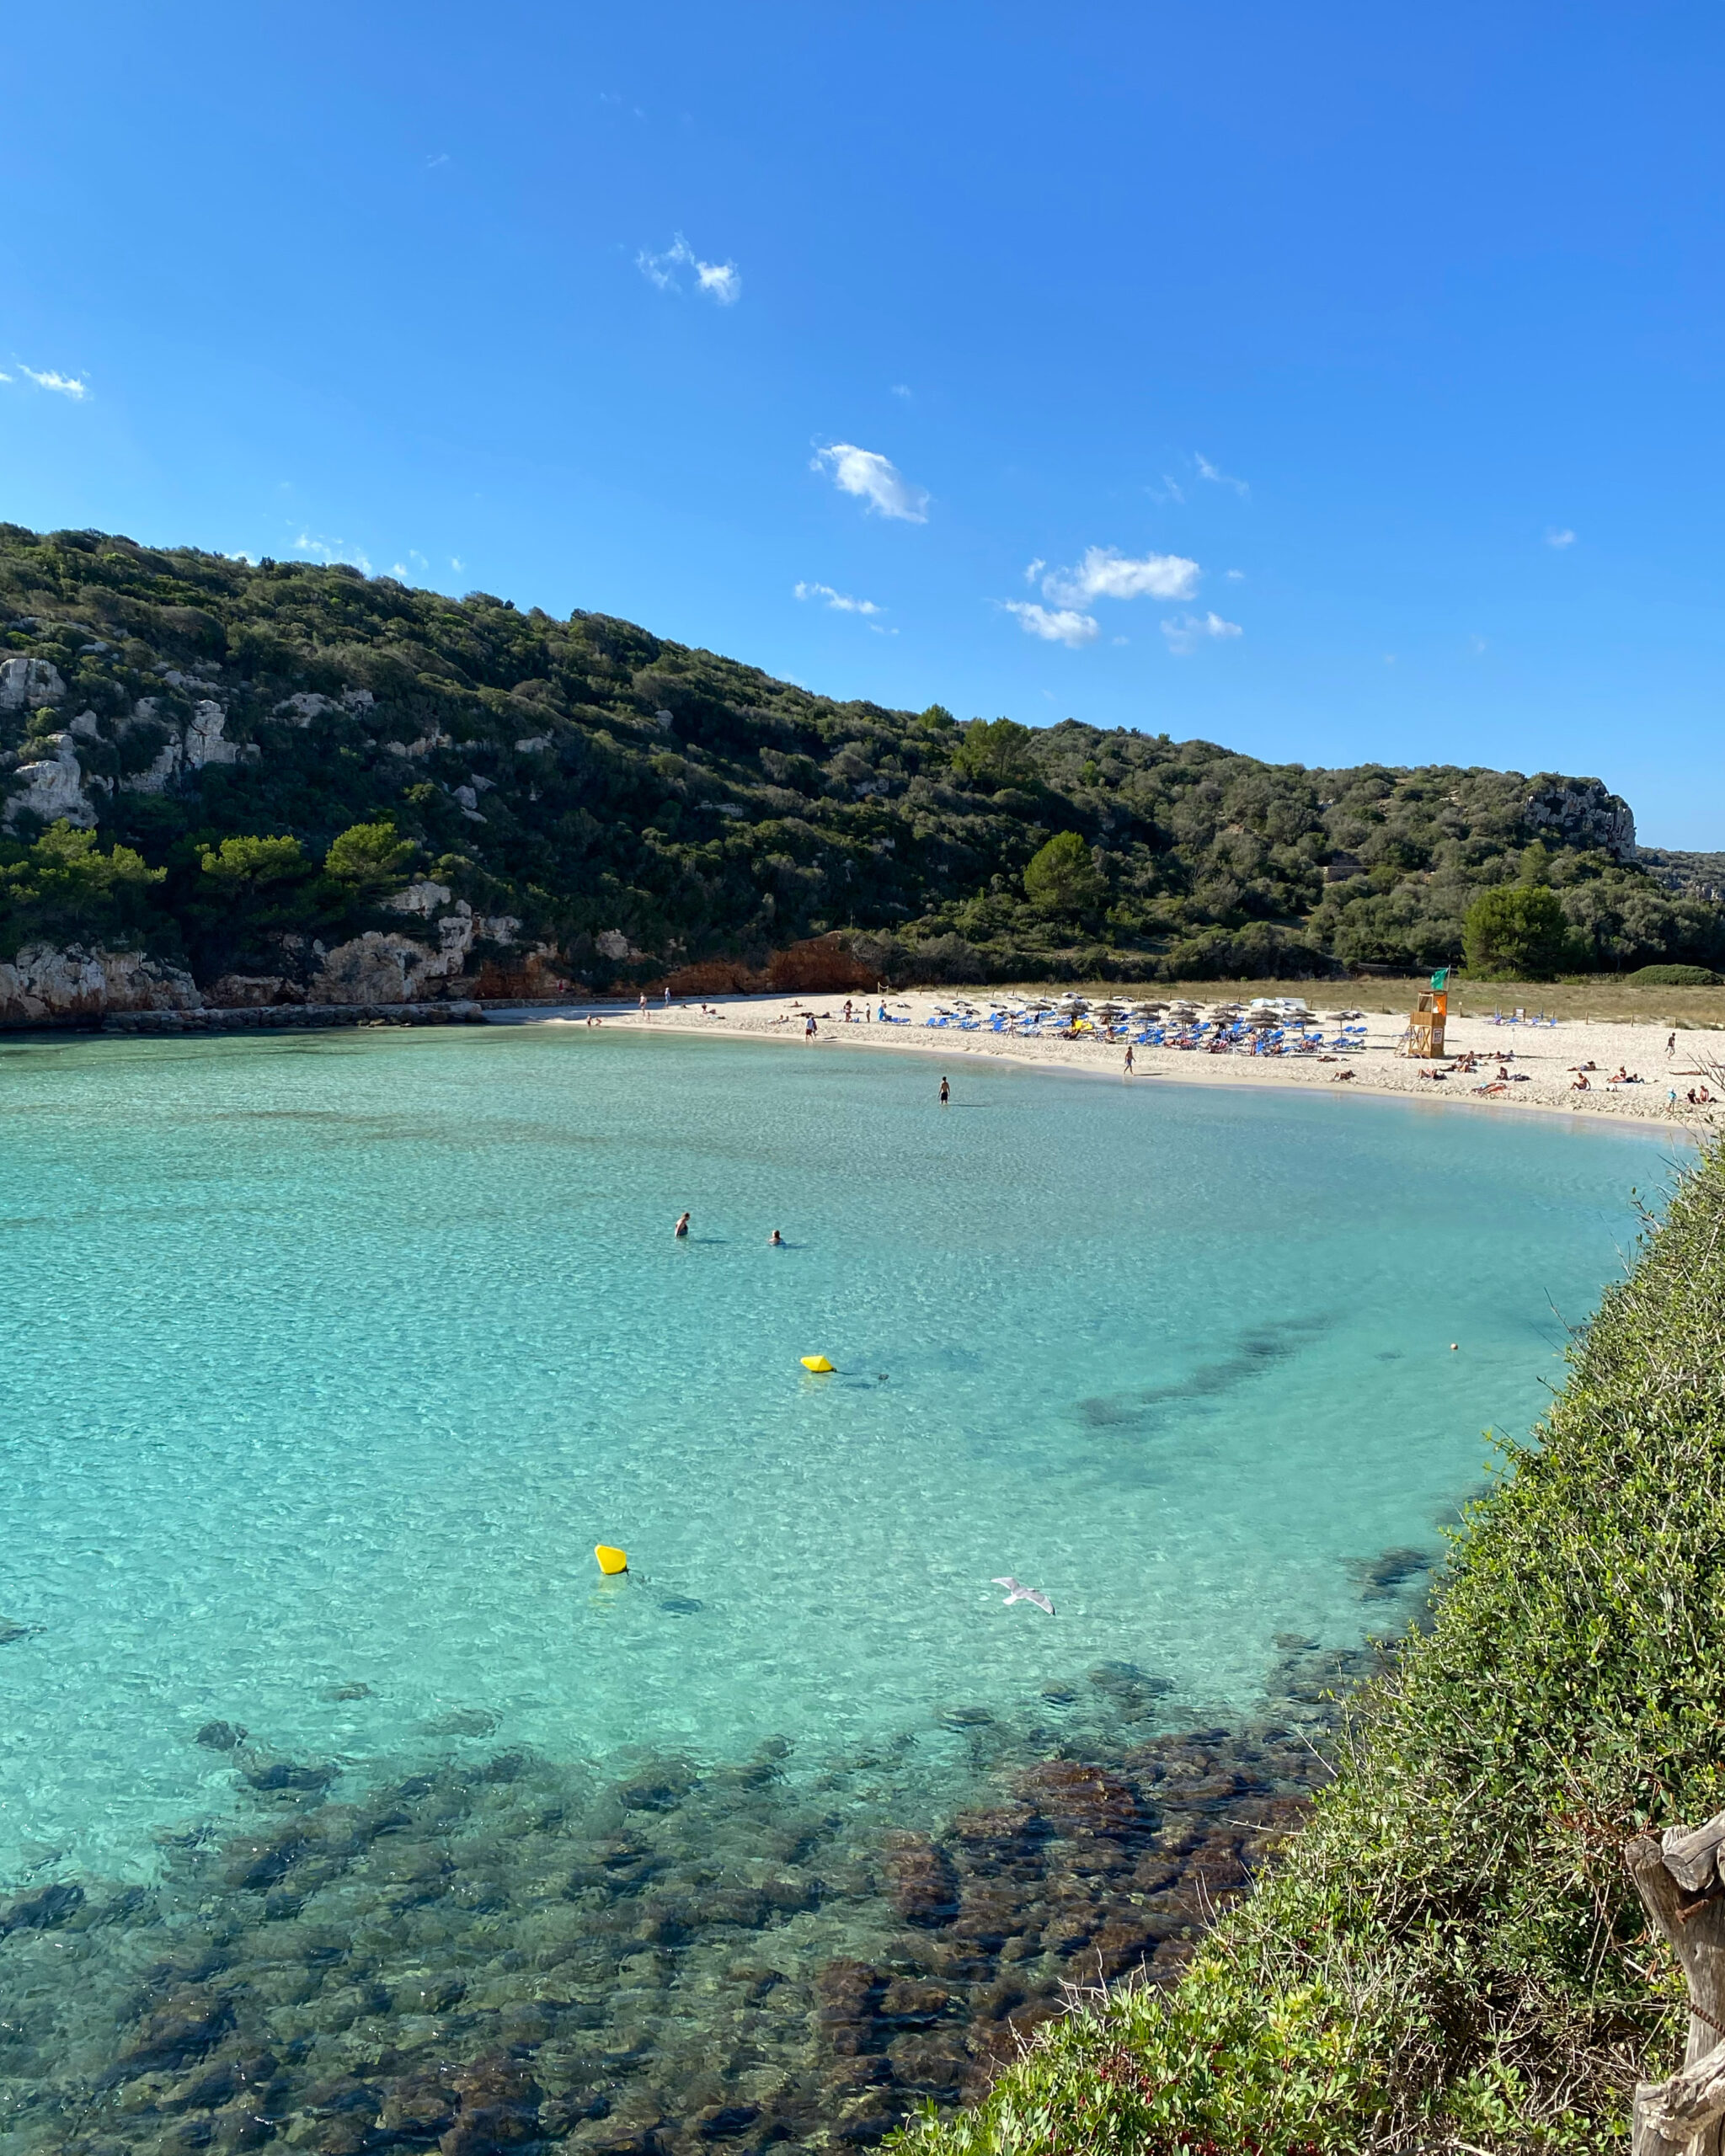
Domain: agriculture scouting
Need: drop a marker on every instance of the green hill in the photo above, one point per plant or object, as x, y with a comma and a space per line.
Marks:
242, 769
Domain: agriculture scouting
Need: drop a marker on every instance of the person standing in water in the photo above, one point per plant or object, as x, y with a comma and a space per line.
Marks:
946, 1092
681, 1230
776, 1241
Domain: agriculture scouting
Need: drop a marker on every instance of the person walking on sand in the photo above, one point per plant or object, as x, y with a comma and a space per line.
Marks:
681, 1231
1129, 1058
1671, 1044
643, 1003
946, 1092
808, 1027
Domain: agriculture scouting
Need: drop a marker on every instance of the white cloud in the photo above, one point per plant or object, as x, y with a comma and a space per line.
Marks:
1564, 538
1034, 569
5, 377
1105, 573
63, 385
332, 550
1171, 491
719, 280
1191, 630
457, 564
1235, 576
441, 158
875, 479
399, 569
1064, 625
1206, 470
838, 602
901, 389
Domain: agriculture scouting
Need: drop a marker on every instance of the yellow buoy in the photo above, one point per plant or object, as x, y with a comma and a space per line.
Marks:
610, 1560
819, 1364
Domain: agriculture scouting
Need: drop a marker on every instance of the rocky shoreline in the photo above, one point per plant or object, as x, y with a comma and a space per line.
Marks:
496, 1952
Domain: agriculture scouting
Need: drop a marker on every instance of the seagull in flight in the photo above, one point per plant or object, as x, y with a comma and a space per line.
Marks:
1017, 1592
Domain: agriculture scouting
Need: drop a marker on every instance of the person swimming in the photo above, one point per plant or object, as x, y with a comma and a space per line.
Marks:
776, 1241
682, 1228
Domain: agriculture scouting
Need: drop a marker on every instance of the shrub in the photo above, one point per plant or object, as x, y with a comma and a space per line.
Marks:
1678, 977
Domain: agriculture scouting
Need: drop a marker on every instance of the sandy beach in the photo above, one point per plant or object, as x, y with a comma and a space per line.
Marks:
1540, 1064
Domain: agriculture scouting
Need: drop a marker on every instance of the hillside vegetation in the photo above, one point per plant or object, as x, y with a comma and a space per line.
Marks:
232, 765
1451, 1956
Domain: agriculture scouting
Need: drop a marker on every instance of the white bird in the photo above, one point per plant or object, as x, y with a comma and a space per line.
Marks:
1017, 1592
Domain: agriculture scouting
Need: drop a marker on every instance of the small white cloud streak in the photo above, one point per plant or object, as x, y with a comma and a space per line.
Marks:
1063, 624
1034, 569
325, 550
837, 602
457, 564
874, 479
62, 384
1235, 576
901, 389
1564, 538
1191, 630
1105, 573
720, 281
1206, 470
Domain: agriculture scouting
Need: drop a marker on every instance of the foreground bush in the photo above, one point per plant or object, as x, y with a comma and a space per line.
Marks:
1450, 1956
1675, 977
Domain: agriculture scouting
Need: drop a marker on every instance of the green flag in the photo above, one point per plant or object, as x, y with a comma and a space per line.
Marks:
1440, 978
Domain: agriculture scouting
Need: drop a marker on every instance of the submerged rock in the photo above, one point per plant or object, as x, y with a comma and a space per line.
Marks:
494, 1955
41, 1911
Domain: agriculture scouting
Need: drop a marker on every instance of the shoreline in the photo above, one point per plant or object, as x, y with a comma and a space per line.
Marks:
1541, 1058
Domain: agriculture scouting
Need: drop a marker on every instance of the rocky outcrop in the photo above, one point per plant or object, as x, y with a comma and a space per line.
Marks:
385, 967
28, 684
202, 740
44, 986
450, 953
301, 709
1580, 812
51, 788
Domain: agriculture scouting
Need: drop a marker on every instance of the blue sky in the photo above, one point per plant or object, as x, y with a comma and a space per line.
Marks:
1352, 373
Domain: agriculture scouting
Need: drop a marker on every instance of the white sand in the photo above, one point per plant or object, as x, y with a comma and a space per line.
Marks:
1541, 1059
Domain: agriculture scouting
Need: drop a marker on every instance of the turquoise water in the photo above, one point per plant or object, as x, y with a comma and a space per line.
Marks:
329, 1358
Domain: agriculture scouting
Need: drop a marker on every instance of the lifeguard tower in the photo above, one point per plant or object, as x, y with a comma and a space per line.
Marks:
1424, 1036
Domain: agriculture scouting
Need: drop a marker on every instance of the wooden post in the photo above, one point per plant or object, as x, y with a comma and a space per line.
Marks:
1677, 1876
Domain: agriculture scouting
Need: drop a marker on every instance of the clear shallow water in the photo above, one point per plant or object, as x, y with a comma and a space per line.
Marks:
330, 1358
